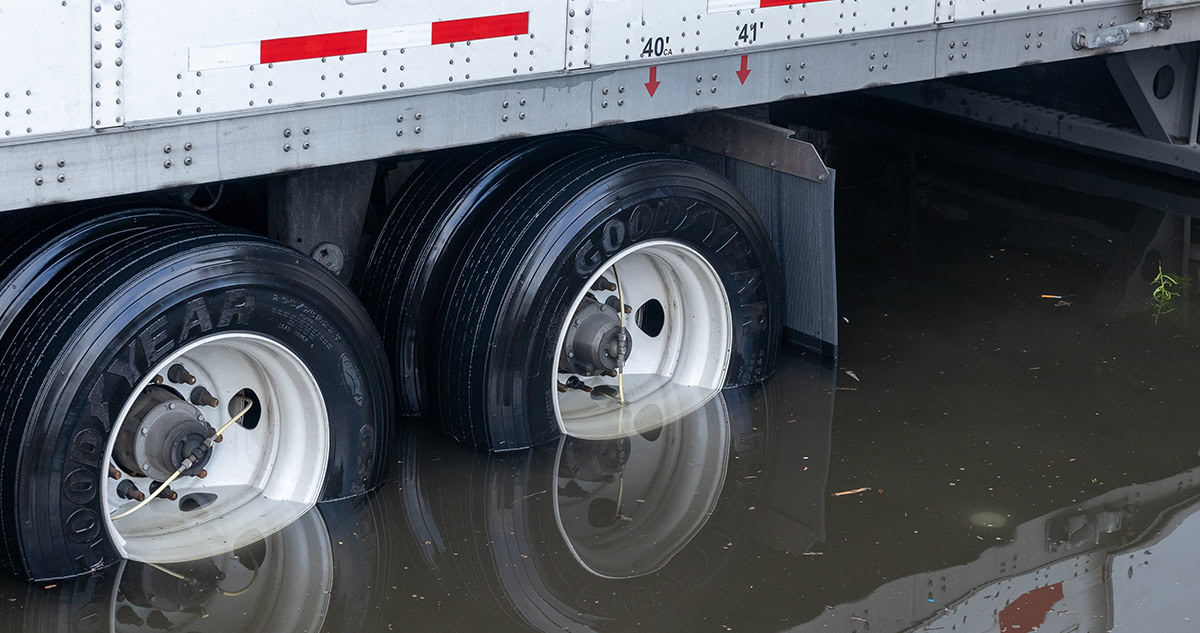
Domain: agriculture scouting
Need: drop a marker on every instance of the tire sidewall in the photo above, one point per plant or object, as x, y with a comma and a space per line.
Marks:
663, 202
61, 462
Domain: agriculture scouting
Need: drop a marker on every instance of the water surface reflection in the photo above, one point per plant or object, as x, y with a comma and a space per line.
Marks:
720, 521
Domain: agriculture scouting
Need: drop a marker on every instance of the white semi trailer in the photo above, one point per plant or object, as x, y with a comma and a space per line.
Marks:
172, 386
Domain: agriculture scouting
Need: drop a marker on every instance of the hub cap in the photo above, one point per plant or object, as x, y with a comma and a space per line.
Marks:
265, 473
670, 357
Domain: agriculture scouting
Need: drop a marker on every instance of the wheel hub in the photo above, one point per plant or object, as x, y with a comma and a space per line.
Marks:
162, 430
593, 341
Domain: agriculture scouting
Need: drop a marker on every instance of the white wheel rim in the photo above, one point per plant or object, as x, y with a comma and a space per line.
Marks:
263, 479
668, 375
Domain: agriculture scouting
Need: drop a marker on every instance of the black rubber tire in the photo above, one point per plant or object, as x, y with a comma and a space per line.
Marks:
38, 250
408, 268
70, 358
517, 276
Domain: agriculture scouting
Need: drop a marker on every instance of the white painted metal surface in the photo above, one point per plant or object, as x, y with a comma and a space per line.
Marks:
228, 56
633, 30
44, 77
111, 97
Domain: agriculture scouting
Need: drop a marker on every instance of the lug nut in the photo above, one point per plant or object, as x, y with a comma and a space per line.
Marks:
179, 375
563, 388
167, 493
113, 472
202, 474
157, 380
129, 490
201, 396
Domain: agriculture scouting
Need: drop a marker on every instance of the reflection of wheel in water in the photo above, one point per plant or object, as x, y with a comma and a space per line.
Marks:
591, 533
626, 506
281, 584
165, 399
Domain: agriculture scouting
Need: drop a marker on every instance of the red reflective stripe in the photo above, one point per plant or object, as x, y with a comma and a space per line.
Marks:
480, 28
286, 49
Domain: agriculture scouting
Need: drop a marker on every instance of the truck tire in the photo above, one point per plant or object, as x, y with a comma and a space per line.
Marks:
531, 325
117, 347
409, 265
36, 249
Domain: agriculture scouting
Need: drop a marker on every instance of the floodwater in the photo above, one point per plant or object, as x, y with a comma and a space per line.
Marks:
980, 459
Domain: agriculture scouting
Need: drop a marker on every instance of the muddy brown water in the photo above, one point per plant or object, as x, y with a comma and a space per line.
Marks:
979, 459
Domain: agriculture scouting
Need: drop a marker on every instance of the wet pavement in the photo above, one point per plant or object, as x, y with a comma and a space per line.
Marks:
980, 459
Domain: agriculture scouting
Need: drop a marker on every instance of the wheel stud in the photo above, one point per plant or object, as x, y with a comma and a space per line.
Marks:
129, 490
157, 380
202, 474
201, 396
179, 375
114, 472
168, 494
604, 284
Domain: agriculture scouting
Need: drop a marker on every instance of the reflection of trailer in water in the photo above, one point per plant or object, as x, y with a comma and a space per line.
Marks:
1121, 560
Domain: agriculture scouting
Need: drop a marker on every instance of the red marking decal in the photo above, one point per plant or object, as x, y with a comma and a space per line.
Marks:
1028, 612
288, 49
744, 73
654, 83
480, 28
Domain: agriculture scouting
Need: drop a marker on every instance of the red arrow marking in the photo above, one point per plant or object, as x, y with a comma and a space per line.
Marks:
744, 73
654, 83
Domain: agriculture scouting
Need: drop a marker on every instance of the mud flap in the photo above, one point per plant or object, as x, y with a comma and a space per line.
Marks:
796, 209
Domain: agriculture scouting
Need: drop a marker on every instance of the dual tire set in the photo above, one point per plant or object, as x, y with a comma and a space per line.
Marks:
516, 293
